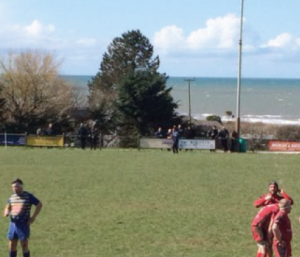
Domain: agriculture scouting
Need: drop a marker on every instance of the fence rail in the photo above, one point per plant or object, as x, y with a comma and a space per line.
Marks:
66, 140
106, 141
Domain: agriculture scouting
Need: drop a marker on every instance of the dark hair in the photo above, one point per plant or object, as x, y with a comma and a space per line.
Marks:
274, 183
19, 181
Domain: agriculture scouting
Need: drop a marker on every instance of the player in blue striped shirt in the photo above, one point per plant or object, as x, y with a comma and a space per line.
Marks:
18, 209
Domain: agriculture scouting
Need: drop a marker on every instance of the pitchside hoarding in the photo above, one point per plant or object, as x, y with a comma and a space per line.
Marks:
12, 139
284, 146
197, 144
155, 143
45, 141
183, 143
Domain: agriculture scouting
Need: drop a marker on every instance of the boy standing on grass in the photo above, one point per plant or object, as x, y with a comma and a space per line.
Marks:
282, 230
18, 209
274, 196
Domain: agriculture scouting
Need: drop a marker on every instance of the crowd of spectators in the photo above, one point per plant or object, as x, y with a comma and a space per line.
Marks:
85, 133
222, 137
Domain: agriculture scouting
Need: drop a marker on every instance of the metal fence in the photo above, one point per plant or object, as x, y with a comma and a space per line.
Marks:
114, 141
68, 140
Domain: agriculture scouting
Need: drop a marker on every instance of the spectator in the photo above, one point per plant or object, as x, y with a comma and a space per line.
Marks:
39, 132
169, 133
175, 140
189, 133
223, 136
213, 134
159, 133
49, 130
180, 130
94, 134
234, 138
274, 196
82, 135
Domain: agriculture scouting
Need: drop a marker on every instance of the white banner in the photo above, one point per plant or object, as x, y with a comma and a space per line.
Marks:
197, 144
155, 143
183, 143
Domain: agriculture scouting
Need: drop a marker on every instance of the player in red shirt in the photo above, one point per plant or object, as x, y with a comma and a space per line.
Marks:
274, 196
261, 229
282, 231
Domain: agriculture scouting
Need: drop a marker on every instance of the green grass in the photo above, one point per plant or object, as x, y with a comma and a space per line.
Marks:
150, 203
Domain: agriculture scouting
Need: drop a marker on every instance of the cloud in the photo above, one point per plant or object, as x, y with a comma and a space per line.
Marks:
219, 33
170, 37
34, 35
284, 40
218, 41
86, 42
39, 35
283, 48
37, 29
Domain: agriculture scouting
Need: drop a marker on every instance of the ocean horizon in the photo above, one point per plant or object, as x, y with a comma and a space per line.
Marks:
266, 100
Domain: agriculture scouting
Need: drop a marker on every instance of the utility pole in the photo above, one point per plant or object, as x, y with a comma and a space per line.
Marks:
238, 119
189, 96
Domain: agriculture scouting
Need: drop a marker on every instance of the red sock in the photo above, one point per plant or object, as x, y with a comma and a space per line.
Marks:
260, 255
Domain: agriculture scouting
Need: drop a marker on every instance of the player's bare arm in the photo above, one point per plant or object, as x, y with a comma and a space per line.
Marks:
286, 196
7, 210
277, 235
38, 209
270, 231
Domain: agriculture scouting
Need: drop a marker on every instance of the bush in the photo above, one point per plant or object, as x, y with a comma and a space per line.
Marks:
288, 133
215, 118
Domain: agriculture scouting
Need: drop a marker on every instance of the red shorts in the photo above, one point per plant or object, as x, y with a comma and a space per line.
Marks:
258, 234
282, 252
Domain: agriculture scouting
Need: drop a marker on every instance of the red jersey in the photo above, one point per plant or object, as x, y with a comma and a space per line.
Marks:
263, 217
260, 202
284, 224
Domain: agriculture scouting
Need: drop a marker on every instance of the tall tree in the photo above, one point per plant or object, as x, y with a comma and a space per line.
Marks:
33, 89
144, 99
128, 68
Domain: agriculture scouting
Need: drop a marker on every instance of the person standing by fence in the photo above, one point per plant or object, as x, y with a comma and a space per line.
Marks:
234, 138
82, 135
94, 133
213, 134
175, 139
223, 136
50, 130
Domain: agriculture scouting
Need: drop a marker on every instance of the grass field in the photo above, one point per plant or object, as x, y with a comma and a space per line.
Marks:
129, 203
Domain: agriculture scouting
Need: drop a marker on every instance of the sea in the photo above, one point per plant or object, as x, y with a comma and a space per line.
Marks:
266, 100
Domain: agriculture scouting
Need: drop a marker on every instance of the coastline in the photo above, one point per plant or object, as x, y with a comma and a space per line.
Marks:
271, 101
263, 119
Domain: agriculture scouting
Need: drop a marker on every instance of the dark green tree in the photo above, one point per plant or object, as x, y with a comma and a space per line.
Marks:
128, 88
144, 99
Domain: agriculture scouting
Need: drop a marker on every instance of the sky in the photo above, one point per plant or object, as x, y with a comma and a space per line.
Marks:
193, 38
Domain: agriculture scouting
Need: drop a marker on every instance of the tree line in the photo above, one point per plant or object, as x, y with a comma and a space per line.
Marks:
127, 95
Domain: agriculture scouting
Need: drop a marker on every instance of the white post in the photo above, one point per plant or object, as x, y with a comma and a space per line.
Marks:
189, 98
5, 139
238, 129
